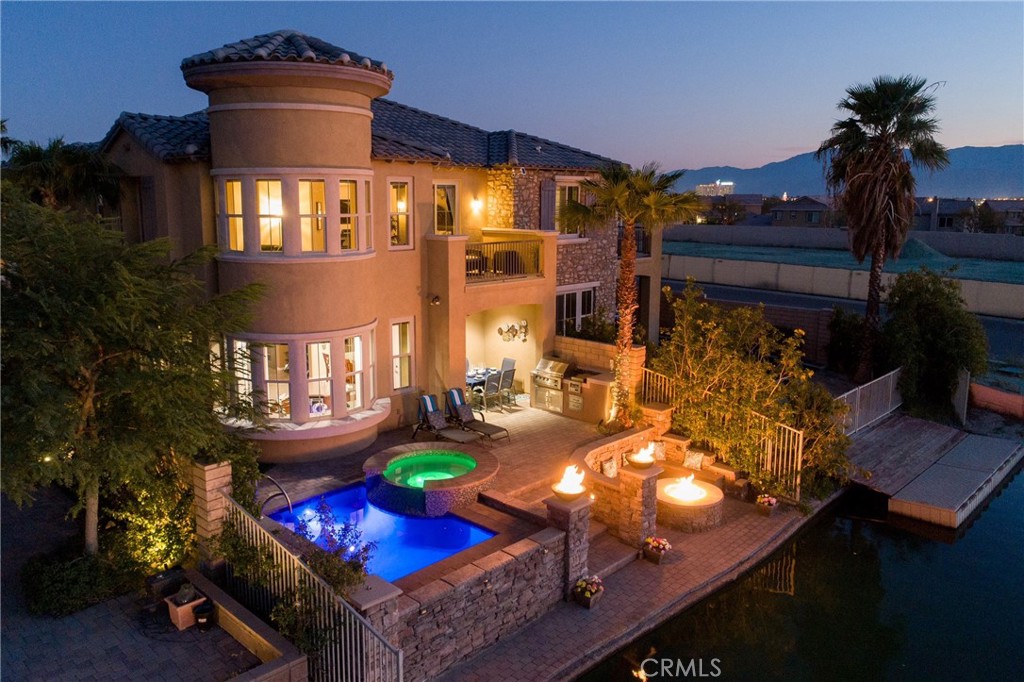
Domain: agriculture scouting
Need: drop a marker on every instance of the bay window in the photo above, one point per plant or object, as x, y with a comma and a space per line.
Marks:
233, 214
348, 211
312, 218
318, 374
353, 372
277, 373
271, 216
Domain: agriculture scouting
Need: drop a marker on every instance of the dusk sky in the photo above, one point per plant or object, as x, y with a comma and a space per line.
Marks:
687, 84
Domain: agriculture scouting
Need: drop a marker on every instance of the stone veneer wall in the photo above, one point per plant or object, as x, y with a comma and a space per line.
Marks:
501, 197
592, 259
609, 496
450, 619
599, 356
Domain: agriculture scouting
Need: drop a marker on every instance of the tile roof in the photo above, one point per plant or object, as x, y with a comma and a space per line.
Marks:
168, 138
400, 133
285, 45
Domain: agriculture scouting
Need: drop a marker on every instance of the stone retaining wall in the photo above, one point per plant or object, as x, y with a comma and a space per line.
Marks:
450, 619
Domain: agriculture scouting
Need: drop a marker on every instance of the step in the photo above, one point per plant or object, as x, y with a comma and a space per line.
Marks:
609, 555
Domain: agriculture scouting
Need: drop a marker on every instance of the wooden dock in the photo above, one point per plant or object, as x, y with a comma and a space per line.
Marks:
932, 472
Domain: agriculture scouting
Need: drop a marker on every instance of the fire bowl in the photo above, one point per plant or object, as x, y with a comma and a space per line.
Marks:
690, 516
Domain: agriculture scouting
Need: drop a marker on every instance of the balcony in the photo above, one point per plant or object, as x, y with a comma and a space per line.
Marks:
495, 261
643, 243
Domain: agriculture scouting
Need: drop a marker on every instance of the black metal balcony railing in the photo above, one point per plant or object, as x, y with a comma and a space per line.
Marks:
643, 242
494, 261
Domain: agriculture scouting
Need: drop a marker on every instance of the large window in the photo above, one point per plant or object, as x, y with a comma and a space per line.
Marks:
572, 307
313, 213
353, 372
563, 195
271, 215
233, 214
445, 209
401, 355
318, 374
398, 207
312, 218
276, 371
348, 218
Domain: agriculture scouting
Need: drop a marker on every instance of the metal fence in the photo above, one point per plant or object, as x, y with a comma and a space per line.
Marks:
353, 650
495, 261
871, 402
643, 242
782, 447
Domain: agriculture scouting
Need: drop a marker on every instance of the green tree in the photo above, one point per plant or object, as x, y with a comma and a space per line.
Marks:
988, 220
931, 335
107, 359
868, 159
725, 211
642, 199
7, 144
726, 365
62, 175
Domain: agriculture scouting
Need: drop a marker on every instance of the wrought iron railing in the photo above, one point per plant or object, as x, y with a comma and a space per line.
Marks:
872, 401
643, 242
782, 447
494, 261
354, 650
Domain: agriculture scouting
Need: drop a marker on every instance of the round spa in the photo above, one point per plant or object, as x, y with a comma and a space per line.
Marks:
426, 480
688, 505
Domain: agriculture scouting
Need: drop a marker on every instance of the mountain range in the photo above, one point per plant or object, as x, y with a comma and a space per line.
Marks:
973, 172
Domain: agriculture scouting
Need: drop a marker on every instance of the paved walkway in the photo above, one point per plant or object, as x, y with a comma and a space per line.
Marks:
564, 642
129, 638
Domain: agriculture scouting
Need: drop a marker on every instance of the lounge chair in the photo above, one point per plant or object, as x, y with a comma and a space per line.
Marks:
432, 420
462, 415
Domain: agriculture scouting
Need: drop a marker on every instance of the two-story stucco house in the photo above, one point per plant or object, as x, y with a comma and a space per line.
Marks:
393, 243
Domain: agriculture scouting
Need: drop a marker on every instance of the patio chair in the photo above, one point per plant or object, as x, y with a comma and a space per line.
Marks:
432, 420
507, 364
460, 413
490, 390
506, 387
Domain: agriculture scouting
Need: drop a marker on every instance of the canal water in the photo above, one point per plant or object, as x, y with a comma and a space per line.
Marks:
852, 598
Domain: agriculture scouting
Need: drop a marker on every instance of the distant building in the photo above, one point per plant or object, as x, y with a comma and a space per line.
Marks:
716, 189
749, 205
934, 214
802, 212
1012, 212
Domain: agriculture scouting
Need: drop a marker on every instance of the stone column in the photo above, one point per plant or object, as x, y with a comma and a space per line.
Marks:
638, 504
377, 601
574, 519
210, 483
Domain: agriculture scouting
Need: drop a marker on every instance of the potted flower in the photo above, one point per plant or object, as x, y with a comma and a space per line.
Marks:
765, 504
655, 549
180, 605
588, 590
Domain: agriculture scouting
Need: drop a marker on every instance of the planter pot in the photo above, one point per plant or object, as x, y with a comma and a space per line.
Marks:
589, 602
181, 614
765, 510
652, 556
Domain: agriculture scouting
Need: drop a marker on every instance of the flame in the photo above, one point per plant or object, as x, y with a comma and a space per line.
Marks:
572, 480
646, 454
685, 490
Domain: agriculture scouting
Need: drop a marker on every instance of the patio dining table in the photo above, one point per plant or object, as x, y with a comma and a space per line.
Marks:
479, 377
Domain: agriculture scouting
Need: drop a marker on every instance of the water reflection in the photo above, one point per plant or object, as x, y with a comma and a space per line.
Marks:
855, 599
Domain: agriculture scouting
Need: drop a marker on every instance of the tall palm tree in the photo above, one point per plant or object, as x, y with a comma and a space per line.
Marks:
637, 199
868, 159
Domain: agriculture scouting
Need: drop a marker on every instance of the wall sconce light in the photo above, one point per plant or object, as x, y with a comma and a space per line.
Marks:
514, 331
435, 300
477, 205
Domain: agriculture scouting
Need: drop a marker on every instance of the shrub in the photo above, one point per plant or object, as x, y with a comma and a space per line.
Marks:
59, 584
931, 334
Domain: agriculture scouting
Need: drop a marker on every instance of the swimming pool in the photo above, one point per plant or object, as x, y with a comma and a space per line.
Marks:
405, 544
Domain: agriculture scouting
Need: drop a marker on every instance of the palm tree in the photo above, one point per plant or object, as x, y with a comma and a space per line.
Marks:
868, 159
637, 199
62, 175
